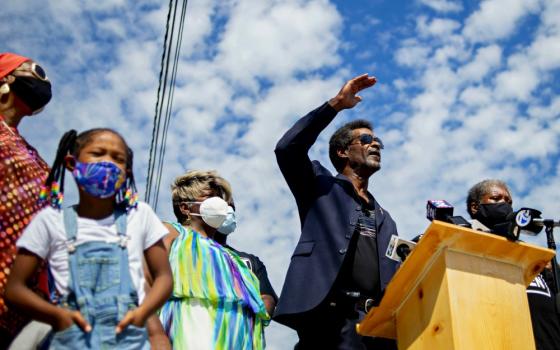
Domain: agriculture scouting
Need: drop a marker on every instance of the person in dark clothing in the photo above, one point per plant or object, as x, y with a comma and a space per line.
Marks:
338, 269
256, 265
489, 202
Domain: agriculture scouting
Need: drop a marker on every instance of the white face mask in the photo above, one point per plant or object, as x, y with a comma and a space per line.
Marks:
230, 223
213, 211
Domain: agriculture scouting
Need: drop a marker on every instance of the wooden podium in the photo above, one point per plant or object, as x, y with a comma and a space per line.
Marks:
460, 289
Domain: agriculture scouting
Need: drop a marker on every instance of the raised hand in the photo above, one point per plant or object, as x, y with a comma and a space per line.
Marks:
347, 96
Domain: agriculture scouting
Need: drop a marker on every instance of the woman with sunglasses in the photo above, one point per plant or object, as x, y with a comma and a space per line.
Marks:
24, 90
216, 302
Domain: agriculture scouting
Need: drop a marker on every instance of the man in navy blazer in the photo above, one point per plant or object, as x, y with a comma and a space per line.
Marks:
338, 269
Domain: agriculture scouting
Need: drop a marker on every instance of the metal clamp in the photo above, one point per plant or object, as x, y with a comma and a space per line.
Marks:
368, 304
123, 241
71, 246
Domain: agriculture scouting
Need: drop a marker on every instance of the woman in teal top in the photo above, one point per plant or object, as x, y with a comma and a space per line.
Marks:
216, 302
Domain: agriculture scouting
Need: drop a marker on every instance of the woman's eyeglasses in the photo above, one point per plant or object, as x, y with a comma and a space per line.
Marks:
36, 70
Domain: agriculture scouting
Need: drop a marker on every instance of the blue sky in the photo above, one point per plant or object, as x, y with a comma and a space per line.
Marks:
467, 91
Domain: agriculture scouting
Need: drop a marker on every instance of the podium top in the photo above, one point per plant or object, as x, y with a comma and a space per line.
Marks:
439, 236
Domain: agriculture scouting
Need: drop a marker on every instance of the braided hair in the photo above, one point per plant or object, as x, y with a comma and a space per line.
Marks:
72, 143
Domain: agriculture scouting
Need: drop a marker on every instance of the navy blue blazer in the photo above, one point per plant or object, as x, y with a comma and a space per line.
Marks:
328, 209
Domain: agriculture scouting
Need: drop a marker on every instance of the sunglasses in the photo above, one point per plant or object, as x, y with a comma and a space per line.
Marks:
36, 70
368, 139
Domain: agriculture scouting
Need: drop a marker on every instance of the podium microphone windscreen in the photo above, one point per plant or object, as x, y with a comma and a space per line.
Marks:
529, 220
438, 209
399, 248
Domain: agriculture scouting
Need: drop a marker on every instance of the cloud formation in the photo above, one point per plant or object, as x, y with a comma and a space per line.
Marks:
466, 93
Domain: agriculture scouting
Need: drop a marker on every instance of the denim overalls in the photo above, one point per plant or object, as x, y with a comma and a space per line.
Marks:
99, 287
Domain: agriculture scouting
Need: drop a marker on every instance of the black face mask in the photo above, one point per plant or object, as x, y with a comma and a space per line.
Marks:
493, 213
33, 92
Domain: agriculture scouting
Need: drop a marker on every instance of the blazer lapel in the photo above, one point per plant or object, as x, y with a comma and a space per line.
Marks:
379, 214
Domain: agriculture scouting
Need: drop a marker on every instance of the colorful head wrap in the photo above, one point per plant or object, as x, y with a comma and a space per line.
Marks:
10, 61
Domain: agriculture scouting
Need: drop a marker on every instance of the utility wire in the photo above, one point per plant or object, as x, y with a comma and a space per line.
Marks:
155, 129
170, 98
166, 88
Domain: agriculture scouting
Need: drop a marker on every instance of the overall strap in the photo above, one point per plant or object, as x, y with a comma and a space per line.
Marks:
70, 217
126, 286
70, 222
120, 223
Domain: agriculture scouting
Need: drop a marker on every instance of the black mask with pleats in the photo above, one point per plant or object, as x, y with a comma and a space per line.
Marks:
33, 92
491, 214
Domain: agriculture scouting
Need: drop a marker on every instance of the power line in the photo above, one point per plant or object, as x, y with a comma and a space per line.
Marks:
166, 88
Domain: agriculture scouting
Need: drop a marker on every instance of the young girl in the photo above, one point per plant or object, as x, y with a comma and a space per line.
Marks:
94, 250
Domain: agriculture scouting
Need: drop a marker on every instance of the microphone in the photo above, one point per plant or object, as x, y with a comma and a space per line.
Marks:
399, 248
530, 221
525, 220
508, 229
439, 209
478, 226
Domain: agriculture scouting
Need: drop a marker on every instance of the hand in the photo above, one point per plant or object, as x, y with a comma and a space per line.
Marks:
346, 97
67, 318
133, 317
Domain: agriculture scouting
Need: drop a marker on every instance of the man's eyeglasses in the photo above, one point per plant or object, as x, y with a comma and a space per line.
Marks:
368, 139
36, 70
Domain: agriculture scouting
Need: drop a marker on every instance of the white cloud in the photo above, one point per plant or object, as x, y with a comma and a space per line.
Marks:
284, 37
496, 19
412, 53
546, 112
476, 96
437, 27
517, 83
443, 5
486, 59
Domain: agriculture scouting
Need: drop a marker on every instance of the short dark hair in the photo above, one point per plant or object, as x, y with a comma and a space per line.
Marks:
342, 138
480, 189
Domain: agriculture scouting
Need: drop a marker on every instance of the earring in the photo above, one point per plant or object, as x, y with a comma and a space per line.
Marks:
187, 221
4, 89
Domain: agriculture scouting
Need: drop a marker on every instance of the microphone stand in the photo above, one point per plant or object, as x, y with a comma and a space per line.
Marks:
548, 228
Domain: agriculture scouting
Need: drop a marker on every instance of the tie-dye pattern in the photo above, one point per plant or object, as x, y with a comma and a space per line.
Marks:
216, 303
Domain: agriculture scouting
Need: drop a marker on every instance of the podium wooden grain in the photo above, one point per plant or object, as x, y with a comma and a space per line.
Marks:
460, 289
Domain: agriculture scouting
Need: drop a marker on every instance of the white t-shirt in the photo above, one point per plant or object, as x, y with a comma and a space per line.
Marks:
46, 237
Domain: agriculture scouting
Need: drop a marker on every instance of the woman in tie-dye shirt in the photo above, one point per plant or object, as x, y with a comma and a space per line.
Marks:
216, 302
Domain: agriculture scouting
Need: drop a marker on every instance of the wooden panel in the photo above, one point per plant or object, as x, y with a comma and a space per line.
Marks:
424, 321
488, 303
439, 235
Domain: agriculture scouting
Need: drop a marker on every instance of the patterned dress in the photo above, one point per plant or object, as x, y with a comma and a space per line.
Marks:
216, 303
22, 172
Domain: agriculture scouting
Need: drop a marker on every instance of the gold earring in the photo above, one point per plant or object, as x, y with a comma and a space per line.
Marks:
187, 221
